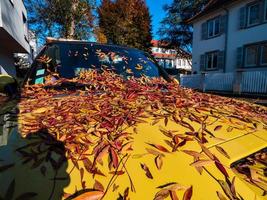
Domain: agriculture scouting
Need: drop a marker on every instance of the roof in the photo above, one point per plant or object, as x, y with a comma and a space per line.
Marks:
163, 44
158, 43
211, 6
164, 56
50, 40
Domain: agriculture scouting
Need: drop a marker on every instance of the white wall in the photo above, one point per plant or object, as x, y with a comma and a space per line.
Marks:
239, 37
202, 46
236, 37
12, 21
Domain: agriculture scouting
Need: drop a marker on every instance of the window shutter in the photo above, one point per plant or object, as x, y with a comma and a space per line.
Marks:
243, 18
204, 31
202, 62
223, 24
221, 62
239, 57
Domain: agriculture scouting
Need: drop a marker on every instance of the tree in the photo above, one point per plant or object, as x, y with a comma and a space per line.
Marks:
126, 23
72, 19
175, 30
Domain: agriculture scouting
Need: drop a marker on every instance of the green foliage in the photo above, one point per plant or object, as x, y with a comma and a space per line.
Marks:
175, 30
61, 18
126, 23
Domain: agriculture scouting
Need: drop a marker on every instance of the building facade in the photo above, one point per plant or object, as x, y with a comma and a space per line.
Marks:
230, 45
168, 58
13, 34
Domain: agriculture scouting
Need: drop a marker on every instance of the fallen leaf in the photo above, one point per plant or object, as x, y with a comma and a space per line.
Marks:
146, 169
159, 162
217, 128
188, 193
202, 163
98, 186
222, 151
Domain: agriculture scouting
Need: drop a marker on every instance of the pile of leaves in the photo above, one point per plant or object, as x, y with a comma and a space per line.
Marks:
254, 169
95, 115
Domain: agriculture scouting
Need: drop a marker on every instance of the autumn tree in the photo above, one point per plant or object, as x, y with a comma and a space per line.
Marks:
175, 29
126, 22
72, 19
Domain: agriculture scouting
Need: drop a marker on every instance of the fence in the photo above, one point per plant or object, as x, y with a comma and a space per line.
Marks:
237, 82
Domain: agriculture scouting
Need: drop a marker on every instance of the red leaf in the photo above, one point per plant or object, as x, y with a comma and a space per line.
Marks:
98, 186
188, 193
114, 158
221, 167
159, 147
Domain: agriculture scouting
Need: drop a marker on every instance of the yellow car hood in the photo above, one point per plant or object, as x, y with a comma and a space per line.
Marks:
134, 139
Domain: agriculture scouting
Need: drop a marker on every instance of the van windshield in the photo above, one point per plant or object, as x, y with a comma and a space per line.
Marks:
124, 61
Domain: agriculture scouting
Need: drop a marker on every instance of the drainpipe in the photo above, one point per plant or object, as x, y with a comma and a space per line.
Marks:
226, 37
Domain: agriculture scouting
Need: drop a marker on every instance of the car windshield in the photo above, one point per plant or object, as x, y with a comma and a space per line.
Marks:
124, 61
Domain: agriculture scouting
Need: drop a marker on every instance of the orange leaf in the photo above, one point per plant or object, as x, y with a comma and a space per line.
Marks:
173, 195
92, 195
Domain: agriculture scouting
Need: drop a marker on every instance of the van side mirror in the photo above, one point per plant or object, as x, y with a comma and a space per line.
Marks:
8, 85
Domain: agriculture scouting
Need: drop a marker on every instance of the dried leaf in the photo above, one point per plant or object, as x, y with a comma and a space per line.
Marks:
217, 128
188, 193
114, 158
221, 196
221, 168
146, 169
88, 195
162, 194
154, 152
98, 186
159, 162
207, 151
222, 151
202, 163
159, 147
173, 195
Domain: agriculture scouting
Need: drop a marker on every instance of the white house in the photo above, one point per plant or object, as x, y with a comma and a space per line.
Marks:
230, 46
168, 58
13, 33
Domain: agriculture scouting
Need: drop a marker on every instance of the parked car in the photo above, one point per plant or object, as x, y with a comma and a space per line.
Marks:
95, 121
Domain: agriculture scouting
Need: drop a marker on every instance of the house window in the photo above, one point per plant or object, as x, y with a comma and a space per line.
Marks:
251, 55
211, 60
214, 27
264, 54
254, 14
256, 55
179, 62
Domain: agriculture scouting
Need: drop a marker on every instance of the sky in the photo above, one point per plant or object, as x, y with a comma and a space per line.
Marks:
157, 12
